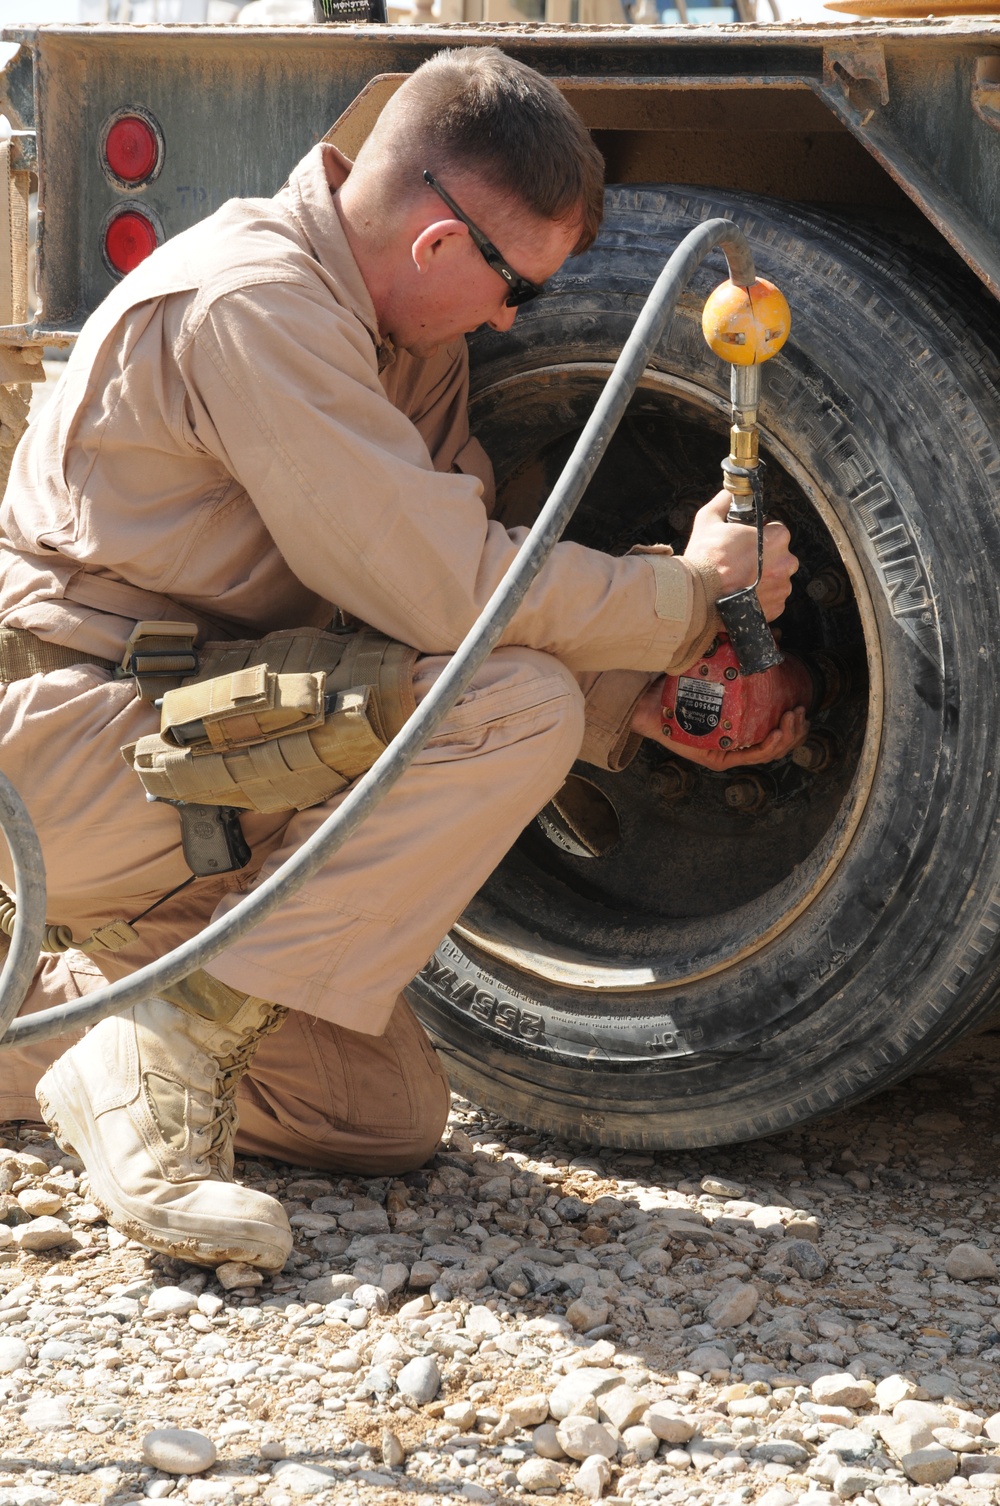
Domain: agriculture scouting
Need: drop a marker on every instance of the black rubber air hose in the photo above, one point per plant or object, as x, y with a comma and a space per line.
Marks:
483, 637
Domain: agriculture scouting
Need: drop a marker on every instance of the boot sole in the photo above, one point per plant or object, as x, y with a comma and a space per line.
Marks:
126, 1214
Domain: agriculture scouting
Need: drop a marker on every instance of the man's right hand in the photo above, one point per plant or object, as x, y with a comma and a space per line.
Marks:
731, 549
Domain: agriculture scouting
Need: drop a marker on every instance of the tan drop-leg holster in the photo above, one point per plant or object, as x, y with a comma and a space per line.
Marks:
278, 723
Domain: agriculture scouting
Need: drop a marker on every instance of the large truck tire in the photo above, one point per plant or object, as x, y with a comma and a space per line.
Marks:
743, 955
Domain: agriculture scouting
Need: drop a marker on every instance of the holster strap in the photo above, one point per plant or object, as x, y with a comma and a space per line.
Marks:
159, 656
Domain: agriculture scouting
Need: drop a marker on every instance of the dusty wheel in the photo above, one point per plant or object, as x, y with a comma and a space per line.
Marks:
722, 973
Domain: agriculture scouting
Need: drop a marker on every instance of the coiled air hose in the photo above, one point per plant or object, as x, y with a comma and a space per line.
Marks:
30, 925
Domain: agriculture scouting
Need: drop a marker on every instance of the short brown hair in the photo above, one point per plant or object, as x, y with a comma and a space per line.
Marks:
474, 111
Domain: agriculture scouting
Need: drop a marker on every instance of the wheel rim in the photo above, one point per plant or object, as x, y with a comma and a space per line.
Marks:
532, 915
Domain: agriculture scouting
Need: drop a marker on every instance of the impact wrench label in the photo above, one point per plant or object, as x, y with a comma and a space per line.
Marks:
698, 706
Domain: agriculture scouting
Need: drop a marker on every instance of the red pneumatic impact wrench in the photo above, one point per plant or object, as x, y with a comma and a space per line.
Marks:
742, 685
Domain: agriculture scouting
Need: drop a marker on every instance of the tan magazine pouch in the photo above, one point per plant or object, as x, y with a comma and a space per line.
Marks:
278, 723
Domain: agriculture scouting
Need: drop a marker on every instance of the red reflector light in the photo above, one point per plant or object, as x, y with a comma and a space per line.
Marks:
128, 240
131, 148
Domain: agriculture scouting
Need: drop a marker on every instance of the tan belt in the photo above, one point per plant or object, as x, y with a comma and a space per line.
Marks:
22, 654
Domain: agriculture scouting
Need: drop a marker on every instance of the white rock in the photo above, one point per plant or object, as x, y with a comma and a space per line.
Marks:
663, 1419
13, 1355
39, 1200
542, 1476
842, 1391
970, 1263
678, 1458
88, 1213
172, 1300
958, 1441
578, 1386
528, 1411
343, 1361
545, 1441
903, 1438
893, 1495
992, 1427
923, 1411
374, 1298
769, 1219
304, 1479
420, 1380
393, 1453
581, 1436
328, 1288
462, 1414
47, 1414
198, 1491
931, 1465
719, 1187
593, 1476
621, 1406
894, 1389
42, 1234
416, 1307
178, 1451
480, 1322
641, 1441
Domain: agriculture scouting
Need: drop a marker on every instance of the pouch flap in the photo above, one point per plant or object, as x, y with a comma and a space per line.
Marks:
244, 707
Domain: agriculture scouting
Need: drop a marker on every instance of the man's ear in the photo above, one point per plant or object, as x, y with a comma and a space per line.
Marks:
436, 240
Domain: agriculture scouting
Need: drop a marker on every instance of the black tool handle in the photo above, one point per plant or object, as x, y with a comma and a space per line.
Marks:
742, 614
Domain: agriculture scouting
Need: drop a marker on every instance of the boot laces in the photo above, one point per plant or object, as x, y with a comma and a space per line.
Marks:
221, 1127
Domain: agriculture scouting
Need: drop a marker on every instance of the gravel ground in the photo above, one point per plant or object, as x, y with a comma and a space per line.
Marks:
812, 1317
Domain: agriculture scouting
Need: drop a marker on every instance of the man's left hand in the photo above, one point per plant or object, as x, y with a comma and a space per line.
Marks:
789, 732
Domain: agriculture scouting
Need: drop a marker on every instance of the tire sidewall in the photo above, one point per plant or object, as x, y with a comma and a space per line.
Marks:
877, 404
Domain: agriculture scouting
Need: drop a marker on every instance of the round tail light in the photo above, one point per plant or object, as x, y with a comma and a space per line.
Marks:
131, 148
129, 237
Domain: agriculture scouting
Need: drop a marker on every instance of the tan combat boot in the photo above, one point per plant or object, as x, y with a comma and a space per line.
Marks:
147, 1100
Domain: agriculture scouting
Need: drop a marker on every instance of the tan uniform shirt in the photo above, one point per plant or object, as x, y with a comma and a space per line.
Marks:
221, 443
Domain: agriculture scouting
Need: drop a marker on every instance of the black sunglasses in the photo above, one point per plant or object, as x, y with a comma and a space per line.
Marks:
519, 289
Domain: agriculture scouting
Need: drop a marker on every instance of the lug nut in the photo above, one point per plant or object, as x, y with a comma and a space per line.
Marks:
817, 753
671, 782
747, 793
828, 587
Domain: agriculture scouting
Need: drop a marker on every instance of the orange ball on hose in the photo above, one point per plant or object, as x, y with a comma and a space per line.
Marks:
746, 326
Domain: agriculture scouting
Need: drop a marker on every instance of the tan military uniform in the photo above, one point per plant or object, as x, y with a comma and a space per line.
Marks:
221, 448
